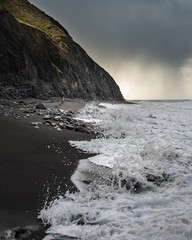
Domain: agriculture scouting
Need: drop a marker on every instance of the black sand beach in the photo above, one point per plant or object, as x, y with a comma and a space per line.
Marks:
36, 165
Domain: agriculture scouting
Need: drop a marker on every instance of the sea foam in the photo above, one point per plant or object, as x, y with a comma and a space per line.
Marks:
138, 186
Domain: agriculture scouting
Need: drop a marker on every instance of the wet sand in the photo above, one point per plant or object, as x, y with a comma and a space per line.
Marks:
35, 165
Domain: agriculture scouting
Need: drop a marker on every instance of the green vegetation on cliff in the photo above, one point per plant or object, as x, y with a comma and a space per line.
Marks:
28, 14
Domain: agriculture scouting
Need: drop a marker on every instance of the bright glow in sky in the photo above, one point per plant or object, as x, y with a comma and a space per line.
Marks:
138, 81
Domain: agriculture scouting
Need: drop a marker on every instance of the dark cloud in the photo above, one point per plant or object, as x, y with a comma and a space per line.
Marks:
158, 30
150, 32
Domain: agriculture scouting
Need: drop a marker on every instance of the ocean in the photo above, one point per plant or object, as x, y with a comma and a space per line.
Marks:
138, 186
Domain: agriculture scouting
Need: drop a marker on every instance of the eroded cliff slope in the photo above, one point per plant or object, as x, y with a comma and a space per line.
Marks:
38, 58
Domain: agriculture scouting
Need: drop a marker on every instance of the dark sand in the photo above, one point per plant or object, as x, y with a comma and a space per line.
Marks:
35, 165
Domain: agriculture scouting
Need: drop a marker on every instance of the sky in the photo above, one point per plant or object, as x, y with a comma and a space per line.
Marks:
145, 45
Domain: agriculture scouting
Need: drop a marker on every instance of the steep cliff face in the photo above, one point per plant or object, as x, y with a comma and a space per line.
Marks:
38, 58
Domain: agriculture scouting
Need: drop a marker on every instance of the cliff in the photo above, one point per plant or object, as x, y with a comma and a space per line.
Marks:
38, 58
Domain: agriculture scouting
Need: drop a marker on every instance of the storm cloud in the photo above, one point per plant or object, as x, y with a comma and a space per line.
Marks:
152, 36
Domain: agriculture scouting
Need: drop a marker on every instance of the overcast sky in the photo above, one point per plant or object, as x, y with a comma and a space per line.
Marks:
146, 45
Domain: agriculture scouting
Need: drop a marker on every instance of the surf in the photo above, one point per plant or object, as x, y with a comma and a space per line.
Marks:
138, 185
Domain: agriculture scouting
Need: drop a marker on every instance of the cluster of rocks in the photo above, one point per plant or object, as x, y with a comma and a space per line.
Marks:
24, 233
59, 119
42, 116
14, 91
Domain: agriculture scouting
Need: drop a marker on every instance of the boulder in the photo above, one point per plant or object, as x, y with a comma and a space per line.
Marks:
40, 106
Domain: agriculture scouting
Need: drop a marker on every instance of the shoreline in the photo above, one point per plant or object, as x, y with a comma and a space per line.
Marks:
36, 162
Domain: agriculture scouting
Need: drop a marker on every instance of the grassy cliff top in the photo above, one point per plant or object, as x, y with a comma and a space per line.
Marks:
28, 14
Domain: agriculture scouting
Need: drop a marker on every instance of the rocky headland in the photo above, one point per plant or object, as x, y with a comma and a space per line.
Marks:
38, 58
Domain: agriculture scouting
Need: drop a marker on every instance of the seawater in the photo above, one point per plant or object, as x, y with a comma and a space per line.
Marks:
139, 140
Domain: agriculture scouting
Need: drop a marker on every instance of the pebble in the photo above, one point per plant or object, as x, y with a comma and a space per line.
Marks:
47, 117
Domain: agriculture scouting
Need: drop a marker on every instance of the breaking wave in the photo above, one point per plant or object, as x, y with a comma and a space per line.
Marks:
138, 186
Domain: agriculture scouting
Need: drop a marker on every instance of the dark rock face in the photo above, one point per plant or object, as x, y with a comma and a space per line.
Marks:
33, 65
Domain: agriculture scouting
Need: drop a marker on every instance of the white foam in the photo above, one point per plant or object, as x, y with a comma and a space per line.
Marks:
149, 138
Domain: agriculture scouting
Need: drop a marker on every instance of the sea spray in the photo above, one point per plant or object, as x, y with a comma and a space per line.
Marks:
145, 147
